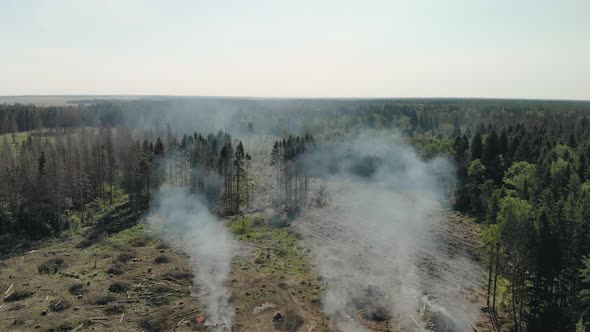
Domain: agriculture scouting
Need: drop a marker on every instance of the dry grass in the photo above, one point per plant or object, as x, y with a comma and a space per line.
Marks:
79, 291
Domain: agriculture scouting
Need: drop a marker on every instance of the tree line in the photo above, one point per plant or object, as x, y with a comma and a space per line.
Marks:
529, 184
290, 159
51, 183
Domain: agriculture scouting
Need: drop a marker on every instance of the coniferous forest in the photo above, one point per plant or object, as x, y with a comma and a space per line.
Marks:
522, 171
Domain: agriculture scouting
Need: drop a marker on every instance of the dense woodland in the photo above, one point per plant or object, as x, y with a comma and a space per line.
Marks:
290, 158
522, 172
51, 183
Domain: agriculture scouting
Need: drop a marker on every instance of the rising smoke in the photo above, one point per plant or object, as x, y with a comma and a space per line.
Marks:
184, 222
374, 243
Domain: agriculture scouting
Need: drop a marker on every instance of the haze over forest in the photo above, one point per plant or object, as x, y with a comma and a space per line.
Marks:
307, 167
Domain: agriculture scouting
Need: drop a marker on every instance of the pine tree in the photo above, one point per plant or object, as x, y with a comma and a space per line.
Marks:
239, 168
476, 147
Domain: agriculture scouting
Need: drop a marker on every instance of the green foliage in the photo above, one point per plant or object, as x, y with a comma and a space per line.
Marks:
521, 176
580, 326
514, 220
585, 292
278, 250
431, 147
477, 171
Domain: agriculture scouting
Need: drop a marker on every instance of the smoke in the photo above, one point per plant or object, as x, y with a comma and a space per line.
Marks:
374, 243
184, 221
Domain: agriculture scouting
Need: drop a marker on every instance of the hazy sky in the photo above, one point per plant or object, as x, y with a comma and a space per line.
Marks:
437, 48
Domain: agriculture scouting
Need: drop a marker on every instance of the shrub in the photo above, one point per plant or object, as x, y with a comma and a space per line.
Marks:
17, 296
152, 325
103, 300
115, 269
291, 321
77, 289
141, 240
118, 287
160, 296
124, 257
114, 309
162, 259
59, 305
51, 266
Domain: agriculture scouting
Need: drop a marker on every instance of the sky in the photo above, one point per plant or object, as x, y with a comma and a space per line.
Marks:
536, 49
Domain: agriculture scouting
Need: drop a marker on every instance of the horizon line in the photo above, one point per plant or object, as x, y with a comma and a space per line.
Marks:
298, 98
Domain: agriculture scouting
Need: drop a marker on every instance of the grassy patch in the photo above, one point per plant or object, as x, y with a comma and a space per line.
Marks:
128, 236
94, 211
142, 240
278, 250
16, 138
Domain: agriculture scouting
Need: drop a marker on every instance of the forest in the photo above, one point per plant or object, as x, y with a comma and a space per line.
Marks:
521, 169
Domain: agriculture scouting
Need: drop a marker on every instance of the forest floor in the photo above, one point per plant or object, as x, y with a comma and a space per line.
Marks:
115, 278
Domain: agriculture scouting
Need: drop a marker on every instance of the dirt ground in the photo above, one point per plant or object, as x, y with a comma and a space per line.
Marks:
127, 282
273, 277
259, 297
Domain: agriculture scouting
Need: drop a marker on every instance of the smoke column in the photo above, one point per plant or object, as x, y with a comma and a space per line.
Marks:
184, 222
373, 239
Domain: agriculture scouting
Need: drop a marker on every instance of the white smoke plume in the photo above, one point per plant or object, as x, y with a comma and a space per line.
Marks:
375, 242
185, 223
